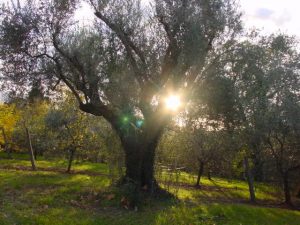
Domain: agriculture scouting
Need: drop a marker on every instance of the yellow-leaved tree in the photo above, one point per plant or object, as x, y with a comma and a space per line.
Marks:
8, 118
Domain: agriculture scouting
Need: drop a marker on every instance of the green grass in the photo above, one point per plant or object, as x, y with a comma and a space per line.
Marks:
219, 189
228, 214
49, 196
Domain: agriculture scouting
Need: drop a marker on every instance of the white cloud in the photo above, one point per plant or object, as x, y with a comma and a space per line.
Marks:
263, 13
272, 15
283, 18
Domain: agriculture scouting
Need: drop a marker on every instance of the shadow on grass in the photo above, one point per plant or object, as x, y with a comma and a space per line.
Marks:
54, 198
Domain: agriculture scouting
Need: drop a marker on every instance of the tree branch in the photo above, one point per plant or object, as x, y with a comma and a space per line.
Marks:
75, 63
129, 45
173, 50
99, 109
65, 80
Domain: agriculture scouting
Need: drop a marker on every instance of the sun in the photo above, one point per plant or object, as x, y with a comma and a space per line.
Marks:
172, 102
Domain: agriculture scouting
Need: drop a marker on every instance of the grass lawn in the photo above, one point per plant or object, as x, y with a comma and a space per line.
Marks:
49, 196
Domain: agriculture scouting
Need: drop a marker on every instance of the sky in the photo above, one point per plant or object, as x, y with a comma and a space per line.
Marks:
272, 15
267, 15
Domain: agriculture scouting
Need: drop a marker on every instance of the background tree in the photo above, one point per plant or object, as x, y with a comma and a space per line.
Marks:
284, 110
8, 119
69, 126
205, 147
265, 74
29, 127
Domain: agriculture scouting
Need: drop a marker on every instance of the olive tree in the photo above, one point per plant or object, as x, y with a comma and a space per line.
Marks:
265, 71
124, 65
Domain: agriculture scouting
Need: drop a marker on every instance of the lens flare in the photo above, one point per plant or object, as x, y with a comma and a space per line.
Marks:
173, 102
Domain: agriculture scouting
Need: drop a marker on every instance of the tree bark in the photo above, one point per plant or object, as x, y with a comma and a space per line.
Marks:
298, 193
72, 149
35, 154
209, 174
258, 173
30, 149
286, 189
6, 147
132, 161
71, 157
249, 179
200, 173
147, 168
139, 162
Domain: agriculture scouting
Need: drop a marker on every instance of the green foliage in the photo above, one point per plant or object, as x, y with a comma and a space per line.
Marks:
31, 115
8, 118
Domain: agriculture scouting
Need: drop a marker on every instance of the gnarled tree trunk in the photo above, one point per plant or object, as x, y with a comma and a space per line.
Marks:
139, 161
147, 169
138, 142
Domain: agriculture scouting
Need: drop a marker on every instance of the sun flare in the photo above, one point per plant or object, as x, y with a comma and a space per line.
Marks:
173, 102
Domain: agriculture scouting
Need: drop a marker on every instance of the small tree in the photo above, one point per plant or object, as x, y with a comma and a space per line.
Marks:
69, 127
206, 146
30, 123
283, 141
